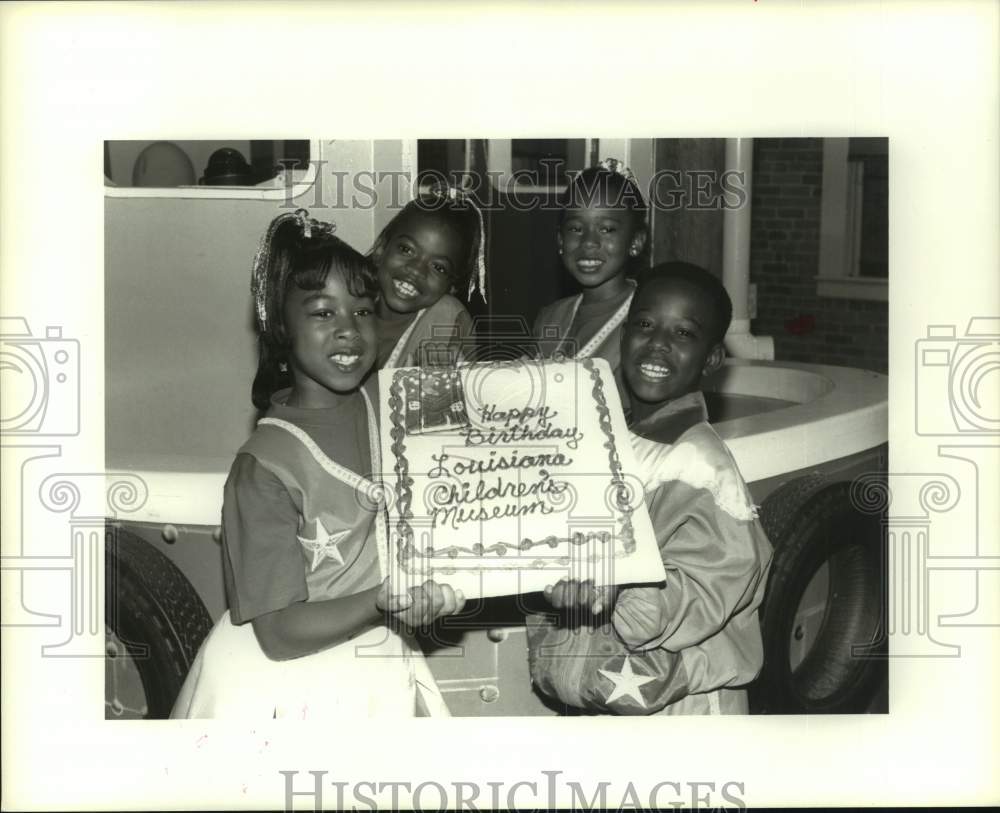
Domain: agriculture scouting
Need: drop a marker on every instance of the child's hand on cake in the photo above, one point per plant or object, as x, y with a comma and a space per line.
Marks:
419, 606
571, 594
640, 615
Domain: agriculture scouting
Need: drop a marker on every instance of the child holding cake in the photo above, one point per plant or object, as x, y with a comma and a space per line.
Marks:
433, 248
312, 631
602, 234
686, 645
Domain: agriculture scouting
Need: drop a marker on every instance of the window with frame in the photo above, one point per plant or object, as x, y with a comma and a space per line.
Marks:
527, 164
854, 227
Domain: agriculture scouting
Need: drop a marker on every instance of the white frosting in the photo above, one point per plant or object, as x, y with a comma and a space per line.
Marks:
520, 490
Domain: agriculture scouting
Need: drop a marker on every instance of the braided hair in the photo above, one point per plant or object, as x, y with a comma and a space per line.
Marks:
457, 209
296, 250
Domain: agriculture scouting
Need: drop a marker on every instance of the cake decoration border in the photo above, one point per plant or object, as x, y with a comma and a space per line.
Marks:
403, 533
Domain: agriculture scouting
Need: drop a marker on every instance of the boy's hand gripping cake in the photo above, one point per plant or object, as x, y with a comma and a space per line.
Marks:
503, 477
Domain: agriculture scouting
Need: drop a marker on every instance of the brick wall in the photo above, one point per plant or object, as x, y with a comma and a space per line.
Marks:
784, 260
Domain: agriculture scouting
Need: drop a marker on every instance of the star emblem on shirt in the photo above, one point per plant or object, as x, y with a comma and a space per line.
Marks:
626, 683
323, 544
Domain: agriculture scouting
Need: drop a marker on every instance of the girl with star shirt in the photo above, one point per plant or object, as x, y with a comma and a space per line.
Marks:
312, 631
432, 249
601, 238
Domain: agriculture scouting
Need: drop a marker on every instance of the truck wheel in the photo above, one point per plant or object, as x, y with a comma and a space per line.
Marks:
155, 617
822, 620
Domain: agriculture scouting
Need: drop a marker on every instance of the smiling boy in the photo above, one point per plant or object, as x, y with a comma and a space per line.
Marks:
686, 645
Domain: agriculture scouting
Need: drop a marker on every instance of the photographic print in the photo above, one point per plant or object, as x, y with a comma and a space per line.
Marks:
320, 326
434, 401
528, 445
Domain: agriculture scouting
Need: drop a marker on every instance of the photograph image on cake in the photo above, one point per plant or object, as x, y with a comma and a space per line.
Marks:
435, 402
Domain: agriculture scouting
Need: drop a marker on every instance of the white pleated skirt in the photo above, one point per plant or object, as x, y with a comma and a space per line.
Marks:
377, 674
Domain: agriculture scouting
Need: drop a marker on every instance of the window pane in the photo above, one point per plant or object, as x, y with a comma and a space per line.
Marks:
548, 159
860, 148
874, 255
442, 157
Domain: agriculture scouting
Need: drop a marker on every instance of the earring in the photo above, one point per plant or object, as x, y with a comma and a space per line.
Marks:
283, 366
634, 251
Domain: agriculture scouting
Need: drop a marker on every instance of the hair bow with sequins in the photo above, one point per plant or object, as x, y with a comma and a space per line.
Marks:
454, 193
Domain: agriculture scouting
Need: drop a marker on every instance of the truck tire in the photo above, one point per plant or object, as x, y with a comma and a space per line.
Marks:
812, 523
156, 614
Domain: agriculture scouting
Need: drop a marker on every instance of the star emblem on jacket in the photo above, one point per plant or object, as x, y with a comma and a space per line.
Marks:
323, 544
626, 683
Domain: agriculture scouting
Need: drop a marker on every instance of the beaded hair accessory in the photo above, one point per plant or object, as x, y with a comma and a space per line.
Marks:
261, 286
616, 167
453, 193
